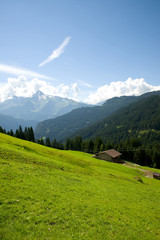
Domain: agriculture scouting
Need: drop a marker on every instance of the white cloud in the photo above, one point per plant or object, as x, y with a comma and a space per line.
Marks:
116, 89
75, 89
63, 90
56, 53
19, 71
22, 87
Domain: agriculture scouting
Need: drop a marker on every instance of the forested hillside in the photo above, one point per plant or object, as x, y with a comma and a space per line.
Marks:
140, 120
63, 126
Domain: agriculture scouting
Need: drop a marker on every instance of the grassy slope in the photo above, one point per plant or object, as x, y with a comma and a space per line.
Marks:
51, 194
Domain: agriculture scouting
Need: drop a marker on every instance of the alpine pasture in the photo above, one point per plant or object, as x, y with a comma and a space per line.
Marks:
55, 194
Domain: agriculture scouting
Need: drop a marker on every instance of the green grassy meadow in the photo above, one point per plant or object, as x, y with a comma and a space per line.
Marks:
50, 194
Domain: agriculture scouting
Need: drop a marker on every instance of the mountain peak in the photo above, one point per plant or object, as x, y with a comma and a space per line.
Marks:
39, 95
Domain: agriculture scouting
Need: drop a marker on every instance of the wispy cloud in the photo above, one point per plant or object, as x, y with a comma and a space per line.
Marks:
56, 53
83, 83
19, 71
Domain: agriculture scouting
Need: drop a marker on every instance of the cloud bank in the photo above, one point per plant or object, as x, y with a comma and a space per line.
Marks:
56, 53
116, 89
19, 71
22, 87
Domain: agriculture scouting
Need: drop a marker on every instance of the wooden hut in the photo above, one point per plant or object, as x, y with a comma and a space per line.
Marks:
156, 175
109, 155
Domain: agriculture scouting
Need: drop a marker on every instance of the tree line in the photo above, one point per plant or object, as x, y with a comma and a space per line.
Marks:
26, 134
132, 149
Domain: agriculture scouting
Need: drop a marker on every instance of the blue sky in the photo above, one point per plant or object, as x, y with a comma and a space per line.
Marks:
88, 50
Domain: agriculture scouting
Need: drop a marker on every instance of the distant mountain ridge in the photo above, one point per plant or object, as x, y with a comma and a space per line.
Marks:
38, 107
9, 122
71, 123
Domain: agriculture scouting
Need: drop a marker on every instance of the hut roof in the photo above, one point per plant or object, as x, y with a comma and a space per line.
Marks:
112, 152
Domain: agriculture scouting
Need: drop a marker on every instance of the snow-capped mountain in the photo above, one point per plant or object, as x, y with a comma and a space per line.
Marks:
38, 107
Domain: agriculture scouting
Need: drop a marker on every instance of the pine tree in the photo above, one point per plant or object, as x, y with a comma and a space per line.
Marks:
48, 143
31, 134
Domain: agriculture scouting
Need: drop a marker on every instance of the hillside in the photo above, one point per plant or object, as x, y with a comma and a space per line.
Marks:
63, 126
52, 194
38, 107
140, 120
